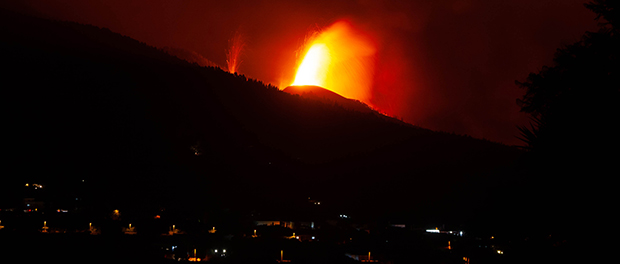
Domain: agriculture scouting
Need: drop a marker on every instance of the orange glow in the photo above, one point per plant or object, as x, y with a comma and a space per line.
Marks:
340, 59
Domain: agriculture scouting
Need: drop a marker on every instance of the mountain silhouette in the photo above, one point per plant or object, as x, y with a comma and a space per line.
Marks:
322, 94
148, 130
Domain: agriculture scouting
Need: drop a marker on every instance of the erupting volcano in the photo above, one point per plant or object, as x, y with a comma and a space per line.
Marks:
340, 59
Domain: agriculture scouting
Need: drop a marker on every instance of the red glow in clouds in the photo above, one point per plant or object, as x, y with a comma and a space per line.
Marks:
341, 59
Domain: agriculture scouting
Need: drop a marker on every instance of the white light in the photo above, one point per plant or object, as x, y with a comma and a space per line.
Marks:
216, 251
312, 237
224, 250
461, 233
432, 230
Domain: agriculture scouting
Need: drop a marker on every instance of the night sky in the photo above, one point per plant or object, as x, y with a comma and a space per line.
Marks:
445, 65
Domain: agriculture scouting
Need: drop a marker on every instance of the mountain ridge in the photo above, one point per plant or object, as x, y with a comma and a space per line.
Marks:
128, 113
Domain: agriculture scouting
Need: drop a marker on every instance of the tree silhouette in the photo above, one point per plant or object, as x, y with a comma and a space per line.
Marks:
573, 105
573, 135
608, 10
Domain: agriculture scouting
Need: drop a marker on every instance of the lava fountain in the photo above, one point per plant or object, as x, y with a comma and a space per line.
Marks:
340, 59
233, 54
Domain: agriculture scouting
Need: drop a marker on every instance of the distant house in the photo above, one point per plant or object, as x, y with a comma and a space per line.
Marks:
32, 204
131, 230
286, 224
362, 257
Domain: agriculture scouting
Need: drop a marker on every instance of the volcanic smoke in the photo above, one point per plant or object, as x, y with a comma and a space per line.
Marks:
340, 59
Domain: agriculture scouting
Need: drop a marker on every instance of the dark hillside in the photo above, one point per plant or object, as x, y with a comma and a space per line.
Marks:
321, 94
146, 129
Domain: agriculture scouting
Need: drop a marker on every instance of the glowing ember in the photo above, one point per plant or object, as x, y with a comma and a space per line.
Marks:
340, 59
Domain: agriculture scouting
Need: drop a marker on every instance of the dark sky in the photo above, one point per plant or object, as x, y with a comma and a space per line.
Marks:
447, 65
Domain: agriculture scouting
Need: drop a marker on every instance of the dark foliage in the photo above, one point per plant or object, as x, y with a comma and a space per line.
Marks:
574, 103
573, 137
607, 10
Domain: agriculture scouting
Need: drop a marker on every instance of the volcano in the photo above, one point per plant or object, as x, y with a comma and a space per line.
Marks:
327, 96
202, 134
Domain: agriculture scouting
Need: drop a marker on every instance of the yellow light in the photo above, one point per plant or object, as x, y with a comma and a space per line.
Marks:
340, 59
314, 67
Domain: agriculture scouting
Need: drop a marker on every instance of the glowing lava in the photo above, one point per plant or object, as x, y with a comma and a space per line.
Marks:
233, 54
312, 70
340, 59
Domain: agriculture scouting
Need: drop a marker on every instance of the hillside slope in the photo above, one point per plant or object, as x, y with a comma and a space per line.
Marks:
84, 102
